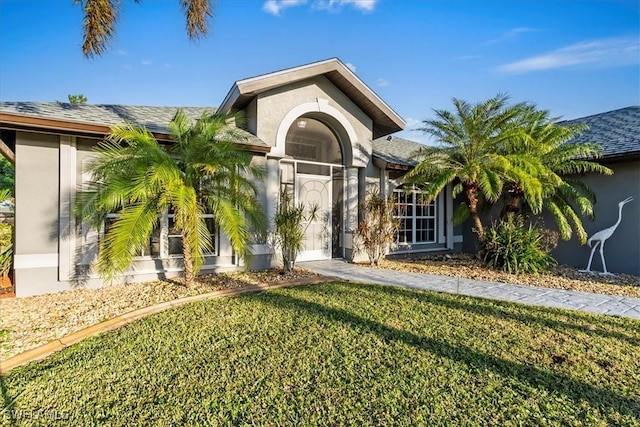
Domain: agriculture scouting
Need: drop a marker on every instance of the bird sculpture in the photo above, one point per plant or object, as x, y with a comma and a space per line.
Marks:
601, 236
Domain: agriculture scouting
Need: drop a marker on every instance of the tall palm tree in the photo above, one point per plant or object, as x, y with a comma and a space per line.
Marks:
204, 171
100, 18
545, 144
469, 155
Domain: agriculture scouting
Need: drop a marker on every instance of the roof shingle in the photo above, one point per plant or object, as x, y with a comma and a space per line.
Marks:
396, 150
618, 131
154, 119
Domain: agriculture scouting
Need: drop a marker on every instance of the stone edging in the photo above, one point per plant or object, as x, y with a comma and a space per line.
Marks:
54, 346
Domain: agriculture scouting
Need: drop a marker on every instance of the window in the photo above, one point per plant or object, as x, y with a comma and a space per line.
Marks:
153, 245
175, 238
310, 139
417, 218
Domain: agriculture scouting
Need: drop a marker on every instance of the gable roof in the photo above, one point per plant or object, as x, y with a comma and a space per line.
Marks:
95, 119
393, 152
618, 131
385, 120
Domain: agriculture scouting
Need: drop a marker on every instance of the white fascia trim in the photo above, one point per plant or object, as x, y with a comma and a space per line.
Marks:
233, 94
22, 262
287, 70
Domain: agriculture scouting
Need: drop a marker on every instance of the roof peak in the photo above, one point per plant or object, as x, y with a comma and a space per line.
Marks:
386, 120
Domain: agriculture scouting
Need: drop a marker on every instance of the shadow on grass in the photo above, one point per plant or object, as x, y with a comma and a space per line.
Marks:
535, 377
514, 311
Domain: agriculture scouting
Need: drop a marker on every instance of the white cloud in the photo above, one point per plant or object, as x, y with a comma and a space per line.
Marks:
609, 52
512, 34
127, 67
351, 66
413, 124
412, 133
146, 62
167, 65
382, 82
121, 52
335, 5
274, 7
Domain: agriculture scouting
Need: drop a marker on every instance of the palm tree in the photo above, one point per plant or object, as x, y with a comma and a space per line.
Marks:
204, 171
100, 18
469, 155
546, 145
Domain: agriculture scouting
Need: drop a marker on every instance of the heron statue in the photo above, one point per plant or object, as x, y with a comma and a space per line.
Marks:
601, 236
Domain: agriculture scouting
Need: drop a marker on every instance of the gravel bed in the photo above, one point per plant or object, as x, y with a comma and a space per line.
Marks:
26, 323
466, 266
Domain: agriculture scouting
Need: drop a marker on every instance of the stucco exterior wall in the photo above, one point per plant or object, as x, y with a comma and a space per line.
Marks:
622, 250
49, 259
36, 213
274, 105
36, 194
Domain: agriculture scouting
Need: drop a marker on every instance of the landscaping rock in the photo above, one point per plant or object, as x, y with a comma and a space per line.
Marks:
26, 323
466, 266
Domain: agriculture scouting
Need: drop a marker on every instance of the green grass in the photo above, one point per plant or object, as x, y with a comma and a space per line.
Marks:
341, 354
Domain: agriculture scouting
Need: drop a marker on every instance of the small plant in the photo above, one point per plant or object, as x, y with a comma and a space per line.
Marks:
6, 248
77, 99
377, 232
290, 229
514, 247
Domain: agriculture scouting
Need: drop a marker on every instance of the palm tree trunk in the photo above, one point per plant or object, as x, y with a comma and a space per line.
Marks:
189, 276
471, 191
515, 195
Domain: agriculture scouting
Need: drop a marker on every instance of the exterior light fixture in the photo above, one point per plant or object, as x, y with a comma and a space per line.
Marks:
302, 124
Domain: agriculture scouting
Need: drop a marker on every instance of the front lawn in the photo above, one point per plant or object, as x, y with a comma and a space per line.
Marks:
341, 353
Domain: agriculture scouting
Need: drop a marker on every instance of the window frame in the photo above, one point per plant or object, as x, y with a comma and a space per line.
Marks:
407, 209
214, 235
163, 235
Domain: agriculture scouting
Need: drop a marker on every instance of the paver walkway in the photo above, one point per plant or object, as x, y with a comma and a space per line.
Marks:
559, 298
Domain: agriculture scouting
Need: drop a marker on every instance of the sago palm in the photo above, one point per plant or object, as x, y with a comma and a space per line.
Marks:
546, 144
139, 179
468, 153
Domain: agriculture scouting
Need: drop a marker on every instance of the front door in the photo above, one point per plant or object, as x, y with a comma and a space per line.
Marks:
316, 190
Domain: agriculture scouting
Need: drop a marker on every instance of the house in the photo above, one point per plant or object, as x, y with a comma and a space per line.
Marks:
317, 128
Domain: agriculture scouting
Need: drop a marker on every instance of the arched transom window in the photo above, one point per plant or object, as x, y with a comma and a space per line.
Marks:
311, 140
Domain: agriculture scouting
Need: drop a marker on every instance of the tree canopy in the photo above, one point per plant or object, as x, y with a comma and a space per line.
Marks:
137, 180
469, 155
494, 150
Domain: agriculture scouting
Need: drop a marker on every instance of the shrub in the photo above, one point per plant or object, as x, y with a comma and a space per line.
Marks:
289, 232
6, 248
514, 247
377, 232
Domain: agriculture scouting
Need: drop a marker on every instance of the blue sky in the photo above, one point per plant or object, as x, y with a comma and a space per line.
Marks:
574, 58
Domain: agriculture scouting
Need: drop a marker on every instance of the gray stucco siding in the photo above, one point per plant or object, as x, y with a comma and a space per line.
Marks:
622, 249
37, 183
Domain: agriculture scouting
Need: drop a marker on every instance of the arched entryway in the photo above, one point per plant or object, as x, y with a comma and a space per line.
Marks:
313, 171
